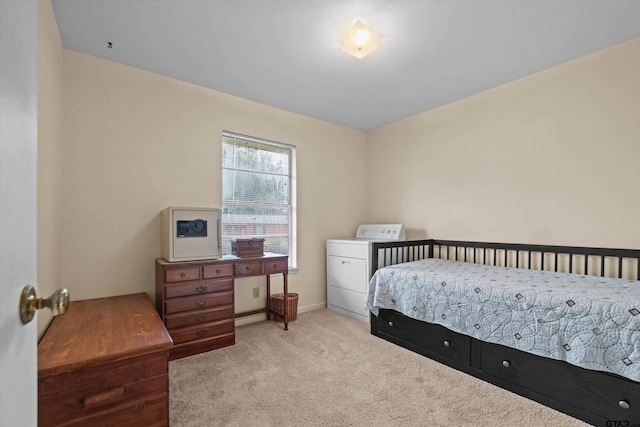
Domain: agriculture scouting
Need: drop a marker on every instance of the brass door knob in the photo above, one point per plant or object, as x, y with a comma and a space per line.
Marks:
58, 302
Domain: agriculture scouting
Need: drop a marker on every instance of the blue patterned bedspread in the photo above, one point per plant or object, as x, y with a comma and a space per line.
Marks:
588, 321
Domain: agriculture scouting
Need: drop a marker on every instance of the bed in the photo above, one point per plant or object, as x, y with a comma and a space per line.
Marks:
557, 324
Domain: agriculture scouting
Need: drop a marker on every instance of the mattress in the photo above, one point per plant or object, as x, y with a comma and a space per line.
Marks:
591, 322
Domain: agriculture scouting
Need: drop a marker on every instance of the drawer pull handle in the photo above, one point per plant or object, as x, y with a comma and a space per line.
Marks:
506, 363
218, 271
624, 404
275, 265
390, 323
201, 333
201, 303
201, 317
182, 274
107, 397
247, 268
201, 288
446, 343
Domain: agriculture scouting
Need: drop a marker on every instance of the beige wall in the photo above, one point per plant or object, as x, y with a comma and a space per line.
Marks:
50, 121
550, 158
137, 142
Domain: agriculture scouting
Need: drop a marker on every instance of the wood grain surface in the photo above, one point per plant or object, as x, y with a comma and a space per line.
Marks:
100, 331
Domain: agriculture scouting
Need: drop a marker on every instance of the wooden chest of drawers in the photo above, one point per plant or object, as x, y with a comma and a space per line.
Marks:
105, 362
195, 300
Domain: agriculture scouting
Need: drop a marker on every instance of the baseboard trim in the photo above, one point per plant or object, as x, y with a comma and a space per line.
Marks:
312, 307
261, 317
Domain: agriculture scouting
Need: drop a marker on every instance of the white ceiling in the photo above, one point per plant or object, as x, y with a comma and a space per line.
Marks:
285, 53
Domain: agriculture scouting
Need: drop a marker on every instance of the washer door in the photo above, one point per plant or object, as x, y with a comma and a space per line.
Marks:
347, 273
347, 285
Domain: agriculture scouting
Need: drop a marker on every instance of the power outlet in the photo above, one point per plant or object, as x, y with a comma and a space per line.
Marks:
256, 292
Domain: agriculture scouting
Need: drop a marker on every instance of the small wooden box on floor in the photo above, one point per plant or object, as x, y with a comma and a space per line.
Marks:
105, 362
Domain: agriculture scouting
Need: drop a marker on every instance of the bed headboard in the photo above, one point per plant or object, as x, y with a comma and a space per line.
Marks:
605, 262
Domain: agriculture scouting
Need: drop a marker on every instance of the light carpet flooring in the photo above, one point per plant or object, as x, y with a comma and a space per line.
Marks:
328, 370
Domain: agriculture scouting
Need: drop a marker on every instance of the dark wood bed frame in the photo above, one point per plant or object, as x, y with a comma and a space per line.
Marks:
598, 398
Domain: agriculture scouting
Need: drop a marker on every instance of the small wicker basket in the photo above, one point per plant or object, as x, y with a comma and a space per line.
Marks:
277, 303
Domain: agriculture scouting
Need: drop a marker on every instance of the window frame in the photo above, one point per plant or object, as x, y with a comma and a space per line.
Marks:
293, 263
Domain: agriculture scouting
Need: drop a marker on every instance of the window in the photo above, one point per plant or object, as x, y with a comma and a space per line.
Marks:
258, 193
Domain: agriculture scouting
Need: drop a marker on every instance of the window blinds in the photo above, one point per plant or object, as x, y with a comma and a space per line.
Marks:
256, 191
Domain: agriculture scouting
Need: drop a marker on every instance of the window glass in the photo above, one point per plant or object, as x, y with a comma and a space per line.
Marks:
258, 193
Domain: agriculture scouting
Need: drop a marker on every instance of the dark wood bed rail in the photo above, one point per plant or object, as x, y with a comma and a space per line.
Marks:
390, 253
609, 262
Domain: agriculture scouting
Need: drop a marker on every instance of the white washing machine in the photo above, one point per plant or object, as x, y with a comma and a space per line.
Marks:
349, 267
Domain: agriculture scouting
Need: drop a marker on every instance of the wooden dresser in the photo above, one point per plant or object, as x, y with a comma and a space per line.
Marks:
195, 299
105, 362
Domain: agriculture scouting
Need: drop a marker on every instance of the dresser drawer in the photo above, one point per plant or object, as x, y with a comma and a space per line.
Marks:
151, 411
248, 268
86, 392
217, 270
276, 266
196, 288
210, 330
199, 317
176, 305
182, 274
200, 346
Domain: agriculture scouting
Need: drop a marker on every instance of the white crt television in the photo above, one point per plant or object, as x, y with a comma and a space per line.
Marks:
190, 234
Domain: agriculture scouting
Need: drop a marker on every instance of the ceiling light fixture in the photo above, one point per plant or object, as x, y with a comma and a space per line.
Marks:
360, 40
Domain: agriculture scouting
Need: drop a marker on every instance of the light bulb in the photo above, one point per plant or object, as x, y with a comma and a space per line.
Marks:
361, 36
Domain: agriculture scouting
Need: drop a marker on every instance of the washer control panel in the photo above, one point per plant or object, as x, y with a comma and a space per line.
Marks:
381, 232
